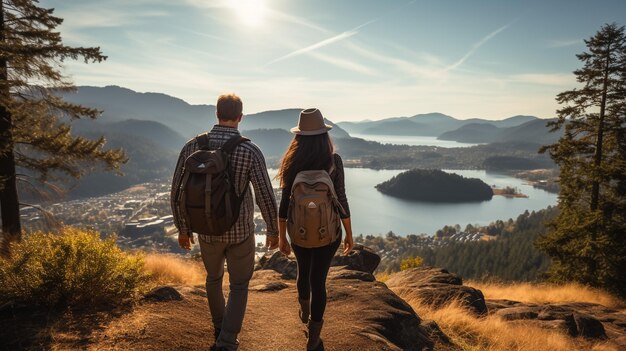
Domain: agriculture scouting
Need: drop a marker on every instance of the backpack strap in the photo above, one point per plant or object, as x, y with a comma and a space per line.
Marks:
203, 141
232, 143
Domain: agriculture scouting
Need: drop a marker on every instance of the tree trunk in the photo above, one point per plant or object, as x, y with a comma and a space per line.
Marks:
9, 203
595, 187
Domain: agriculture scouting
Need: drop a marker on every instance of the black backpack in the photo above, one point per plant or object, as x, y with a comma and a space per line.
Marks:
208, 200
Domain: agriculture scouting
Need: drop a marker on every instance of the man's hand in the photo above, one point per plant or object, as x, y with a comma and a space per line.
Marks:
271, 242
185, 241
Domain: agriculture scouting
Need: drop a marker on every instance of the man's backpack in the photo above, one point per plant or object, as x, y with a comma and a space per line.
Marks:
313, 215
208, 200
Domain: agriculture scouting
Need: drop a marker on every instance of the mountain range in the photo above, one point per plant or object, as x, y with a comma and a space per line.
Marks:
152, 128
444, 127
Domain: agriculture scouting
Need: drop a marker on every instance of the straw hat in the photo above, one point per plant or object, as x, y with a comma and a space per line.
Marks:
311, 122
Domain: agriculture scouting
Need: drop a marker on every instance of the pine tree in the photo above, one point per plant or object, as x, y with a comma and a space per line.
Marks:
586, 241
35, 132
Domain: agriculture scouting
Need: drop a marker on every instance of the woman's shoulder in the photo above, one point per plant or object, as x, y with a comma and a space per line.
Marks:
337, 158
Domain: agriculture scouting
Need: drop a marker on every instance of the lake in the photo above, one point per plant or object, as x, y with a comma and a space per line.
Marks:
375, 213
411, 140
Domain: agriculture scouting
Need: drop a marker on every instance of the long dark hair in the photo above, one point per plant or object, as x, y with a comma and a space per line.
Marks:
305, 152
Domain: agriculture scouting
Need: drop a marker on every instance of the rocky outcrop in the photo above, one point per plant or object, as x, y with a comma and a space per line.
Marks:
280, 263
163, 293
361, 259
436, 287
588, 320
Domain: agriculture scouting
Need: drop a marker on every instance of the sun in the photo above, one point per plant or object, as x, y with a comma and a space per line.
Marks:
250, 12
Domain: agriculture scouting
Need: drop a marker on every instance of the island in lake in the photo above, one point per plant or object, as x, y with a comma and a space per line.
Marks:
432, 185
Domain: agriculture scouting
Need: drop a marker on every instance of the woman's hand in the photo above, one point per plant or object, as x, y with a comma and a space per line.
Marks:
283, 245
347, 244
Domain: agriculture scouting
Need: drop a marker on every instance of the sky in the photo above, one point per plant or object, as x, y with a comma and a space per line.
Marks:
352, 59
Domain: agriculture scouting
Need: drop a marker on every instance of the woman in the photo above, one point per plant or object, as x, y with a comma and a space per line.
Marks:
312, 149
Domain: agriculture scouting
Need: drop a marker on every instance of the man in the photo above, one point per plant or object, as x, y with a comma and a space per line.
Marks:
236, 246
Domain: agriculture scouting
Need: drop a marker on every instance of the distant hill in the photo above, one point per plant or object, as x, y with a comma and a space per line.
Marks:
429, 124
398, 127
471, 133
534, 131
283, 119
120, 104
155, 132
432, 185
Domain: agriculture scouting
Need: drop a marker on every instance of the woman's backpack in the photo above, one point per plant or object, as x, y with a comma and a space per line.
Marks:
208, 200
313, 216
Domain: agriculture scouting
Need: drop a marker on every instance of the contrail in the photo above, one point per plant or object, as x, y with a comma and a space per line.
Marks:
476, 46
325, 42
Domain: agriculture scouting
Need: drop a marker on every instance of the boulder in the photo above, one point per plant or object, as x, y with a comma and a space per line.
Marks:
378, 314
272, 286
346, 273
589, 327
281, 264
163, 293
436, 287
424, 275
361, 258
517, 313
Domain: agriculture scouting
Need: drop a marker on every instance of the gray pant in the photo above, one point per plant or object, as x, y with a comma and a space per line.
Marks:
240, 263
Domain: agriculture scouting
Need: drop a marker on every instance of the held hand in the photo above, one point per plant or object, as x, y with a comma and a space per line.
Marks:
271, 242
185, 241
284, 245
347, 244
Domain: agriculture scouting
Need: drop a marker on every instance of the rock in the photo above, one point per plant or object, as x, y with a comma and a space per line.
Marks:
163, 293
496, 304
346, 273
273, 286
281, 264
565, 326
517, 313
383, 317
423, 275
437, 287
589, 327
361, 258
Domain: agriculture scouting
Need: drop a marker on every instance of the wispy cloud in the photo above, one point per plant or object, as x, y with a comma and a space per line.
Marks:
477, 46
325, 42
558, 79
342, 63
563, 43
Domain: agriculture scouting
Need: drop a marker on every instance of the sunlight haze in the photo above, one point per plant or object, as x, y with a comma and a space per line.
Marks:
353, 59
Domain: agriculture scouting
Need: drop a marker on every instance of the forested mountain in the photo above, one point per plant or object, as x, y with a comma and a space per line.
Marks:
119, 104
531, 131
512, 256
432, 185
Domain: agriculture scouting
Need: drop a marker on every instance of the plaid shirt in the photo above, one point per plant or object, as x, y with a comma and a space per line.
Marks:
248, 165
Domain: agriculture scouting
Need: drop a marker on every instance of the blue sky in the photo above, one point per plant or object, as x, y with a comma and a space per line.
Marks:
353, 59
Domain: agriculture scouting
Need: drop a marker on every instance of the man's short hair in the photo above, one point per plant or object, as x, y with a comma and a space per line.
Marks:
229, 107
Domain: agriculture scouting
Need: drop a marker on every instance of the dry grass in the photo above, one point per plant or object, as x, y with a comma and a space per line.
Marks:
493, 334
547, 293
169, 269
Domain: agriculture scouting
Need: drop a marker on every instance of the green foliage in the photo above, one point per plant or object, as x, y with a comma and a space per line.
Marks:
70, 268
411, 262
36, 139
586, 241
435, 186
510, 257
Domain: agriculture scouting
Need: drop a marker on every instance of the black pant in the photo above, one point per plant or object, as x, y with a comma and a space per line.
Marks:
313, 266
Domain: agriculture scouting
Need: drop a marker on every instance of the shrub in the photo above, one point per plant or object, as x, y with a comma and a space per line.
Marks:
71, 268
411, 262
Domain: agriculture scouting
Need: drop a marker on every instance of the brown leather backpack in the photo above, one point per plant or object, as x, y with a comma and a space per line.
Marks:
208, 200
313, 216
